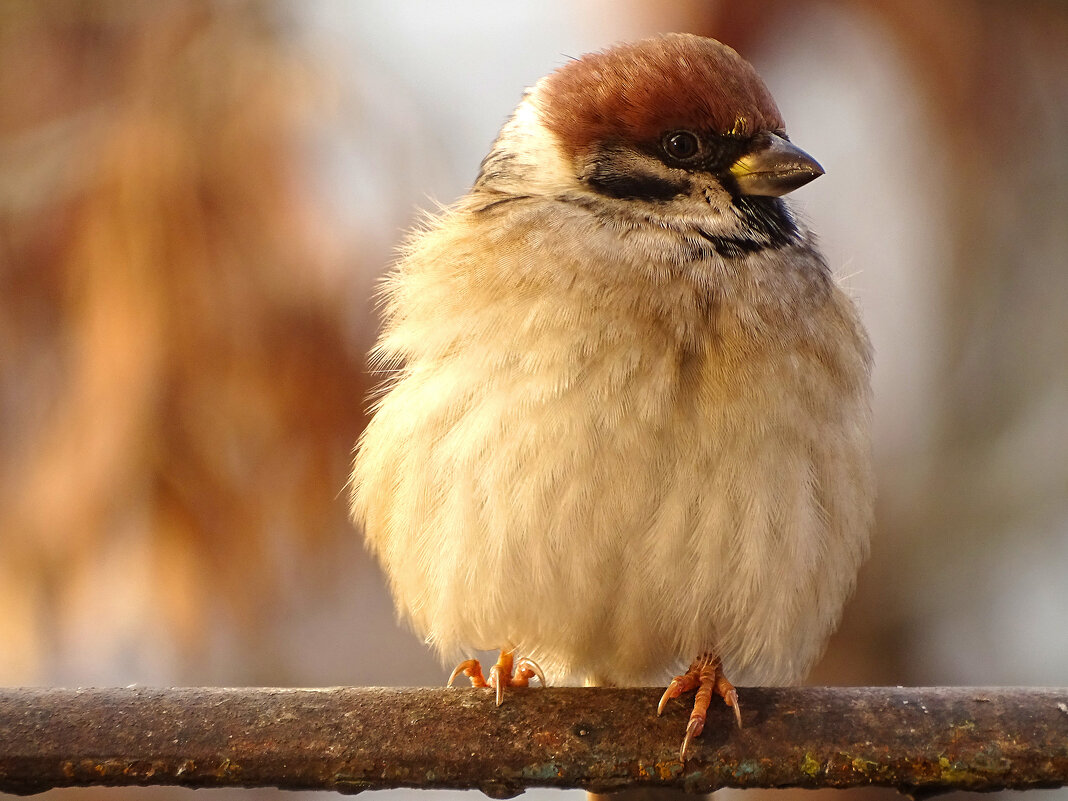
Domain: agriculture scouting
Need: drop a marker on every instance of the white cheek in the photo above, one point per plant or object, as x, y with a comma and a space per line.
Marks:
538, 162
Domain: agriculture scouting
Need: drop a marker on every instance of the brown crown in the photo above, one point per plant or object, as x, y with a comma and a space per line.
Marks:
636, 92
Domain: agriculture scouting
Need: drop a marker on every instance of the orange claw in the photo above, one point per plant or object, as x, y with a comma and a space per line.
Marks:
472, 669
679, 685
501, 674
525, 670
705, 675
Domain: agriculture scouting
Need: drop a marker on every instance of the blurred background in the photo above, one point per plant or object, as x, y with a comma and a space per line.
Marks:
197, 197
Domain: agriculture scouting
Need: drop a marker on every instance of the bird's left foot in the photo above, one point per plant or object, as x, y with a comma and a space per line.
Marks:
705, 675
508, 672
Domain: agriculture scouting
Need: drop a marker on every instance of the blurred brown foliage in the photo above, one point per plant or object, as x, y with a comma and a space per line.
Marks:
179, 379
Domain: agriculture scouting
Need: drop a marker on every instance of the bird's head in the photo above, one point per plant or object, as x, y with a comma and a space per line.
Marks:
679, 126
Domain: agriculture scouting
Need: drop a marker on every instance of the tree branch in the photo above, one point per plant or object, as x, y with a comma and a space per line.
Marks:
351, 739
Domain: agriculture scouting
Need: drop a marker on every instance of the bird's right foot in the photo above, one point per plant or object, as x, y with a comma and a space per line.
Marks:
706, 676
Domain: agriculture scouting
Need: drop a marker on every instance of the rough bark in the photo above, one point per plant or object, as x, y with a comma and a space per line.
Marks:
919, 741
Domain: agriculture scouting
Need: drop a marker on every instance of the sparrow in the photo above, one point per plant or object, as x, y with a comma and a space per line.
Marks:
625, 426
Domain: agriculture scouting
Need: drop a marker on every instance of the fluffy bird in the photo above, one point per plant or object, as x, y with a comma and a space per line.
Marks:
626, 426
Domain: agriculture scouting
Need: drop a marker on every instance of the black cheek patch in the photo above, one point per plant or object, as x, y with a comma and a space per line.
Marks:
636, 186
620, 174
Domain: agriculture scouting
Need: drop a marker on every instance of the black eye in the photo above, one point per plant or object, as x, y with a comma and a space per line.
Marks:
682, 145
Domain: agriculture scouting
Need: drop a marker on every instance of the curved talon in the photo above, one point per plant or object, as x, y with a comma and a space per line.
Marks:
455, 675
472, 669
498, 680
678, 686
731, 698
501, 674
693, 728
525, 670
667, 696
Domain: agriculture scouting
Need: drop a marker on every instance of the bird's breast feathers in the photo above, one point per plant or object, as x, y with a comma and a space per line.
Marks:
614, 467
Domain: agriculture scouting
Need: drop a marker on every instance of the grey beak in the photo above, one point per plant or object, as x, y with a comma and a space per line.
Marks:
773, 167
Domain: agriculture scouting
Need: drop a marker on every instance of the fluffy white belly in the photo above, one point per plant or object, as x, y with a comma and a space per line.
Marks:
617, 534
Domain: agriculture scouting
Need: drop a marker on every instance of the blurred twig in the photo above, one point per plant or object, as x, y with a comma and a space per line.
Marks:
351, 739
